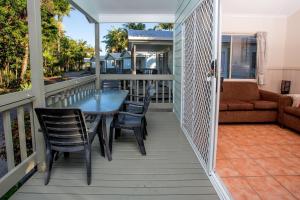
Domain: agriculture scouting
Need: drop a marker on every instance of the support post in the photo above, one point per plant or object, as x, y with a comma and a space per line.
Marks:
134, 59
97, 55
37, 76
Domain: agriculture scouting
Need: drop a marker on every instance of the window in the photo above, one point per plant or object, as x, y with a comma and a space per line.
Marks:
238, 59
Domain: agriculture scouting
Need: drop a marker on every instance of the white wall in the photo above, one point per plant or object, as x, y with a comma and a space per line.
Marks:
292, 53
276, 29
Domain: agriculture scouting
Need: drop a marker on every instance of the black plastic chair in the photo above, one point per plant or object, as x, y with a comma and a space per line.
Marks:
141, 107
132, 121
66, 130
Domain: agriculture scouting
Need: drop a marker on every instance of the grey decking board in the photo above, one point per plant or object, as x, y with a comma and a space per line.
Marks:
169, 171
126, 183
31, 196
117, 191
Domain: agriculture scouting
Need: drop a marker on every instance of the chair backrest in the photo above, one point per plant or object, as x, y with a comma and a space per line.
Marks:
111, 85
63, 128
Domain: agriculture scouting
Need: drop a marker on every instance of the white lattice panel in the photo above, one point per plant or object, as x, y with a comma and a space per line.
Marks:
197, 104
188, 75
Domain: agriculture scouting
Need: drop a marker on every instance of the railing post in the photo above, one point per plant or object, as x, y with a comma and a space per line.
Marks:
37, 76
97, 55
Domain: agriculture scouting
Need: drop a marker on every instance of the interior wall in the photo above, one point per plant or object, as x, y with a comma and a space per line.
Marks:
276, 29
292, 56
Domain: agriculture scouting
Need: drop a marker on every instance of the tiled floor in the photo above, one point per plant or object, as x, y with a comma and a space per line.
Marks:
259, 161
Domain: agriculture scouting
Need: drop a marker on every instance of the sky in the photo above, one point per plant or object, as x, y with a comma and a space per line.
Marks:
77, 27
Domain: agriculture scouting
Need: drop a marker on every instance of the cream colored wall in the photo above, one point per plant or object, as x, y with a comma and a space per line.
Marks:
276, 29
292, 52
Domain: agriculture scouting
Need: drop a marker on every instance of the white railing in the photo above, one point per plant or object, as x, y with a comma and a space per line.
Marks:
77, 88
16, 111
136, 85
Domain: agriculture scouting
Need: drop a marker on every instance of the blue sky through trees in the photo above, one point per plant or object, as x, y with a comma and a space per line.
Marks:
77, 27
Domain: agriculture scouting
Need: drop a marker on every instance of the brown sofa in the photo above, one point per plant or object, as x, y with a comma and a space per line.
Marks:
291, 115
244, 102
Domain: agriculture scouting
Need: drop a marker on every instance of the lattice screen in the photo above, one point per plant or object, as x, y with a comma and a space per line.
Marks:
197, 104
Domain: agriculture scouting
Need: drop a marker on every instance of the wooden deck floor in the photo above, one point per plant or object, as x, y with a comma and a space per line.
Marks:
169, 171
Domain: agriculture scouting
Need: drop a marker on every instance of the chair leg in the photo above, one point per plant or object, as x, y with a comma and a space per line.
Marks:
66, 155
145, 126
143, 129
88, 161
105, 139
139, 138
111, 137
49, 162
117, 133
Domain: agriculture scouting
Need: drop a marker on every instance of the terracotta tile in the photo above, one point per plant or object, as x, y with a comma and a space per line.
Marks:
220, 155
292, 163
234, 153
240, 189
275, 166
291, 183
248, 167
269, 188
226, 169
254, 151
293, 149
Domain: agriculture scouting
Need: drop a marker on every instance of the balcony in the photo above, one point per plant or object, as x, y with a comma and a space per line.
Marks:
170, 170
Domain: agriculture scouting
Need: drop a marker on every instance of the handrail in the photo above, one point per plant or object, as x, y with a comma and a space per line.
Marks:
61, 86
14, 97
158, 77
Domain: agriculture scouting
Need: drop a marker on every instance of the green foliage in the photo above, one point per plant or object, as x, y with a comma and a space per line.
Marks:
164, 26
116, 40
60, 53
135, 26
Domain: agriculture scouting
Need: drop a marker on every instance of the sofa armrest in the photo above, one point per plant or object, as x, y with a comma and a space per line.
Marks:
269, 96
284, 101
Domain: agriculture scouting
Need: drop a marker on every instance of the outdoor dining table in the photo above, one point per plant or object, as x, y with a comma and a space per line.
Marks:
105, 103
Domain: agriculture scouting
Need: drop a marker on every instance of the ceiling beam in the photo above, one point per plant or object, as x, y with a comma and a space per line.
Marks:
145, 18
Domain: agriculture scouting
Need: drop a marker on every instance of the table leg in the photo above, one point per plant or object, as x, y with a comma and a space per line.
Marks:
100, 137
106, 142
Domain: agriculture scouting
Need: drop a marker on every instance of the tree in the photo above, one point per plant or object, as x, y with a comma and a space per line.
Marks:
13, 37
116, 40
135, 26
14, 51
164, 26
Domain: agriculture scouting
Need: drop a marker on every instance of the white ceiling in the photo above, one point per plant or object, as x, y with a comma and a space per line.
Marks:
139, 10
260, 7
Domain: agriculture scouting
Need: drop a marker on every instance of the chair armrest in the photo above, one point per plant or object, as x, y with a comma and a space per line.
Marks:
134, 107
269, 96
93, 125
284, 101
131, 114
140, 104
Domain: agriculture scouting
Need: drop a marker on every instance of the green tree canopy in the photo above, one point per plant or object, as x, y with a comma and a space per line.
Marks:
135, 26
164, 26
116, 40
60, 53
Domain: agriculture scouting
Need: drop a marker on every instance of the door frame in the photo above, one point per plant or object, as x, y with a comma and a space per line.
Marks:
211, 172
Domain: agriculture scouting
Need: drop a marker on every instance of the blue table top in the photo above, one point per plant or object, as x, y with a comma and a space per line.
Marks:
99, 102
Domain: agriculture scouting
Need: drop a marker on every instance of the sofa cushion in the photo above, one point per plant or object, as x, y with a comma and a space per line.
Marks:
240, 90
292, 111
239, 105
223, 106
265, 105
